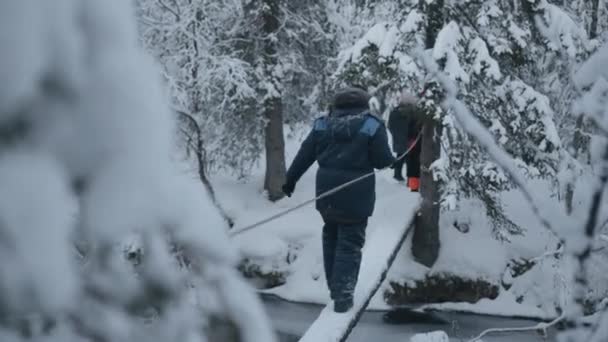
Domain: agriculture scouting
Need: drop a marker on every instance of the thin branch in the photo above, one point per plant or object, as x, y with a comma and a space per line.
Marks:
176, 5
545, 255
171, 10
540, 326
200, 152
189, 140
188, 117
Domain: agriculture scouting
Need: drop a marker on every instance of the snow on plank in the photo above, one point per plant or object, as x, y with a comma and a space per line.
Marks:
379, 253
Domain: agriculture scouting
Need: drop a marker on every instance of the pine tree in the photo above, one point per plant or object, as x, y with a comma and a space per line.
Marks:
511, 62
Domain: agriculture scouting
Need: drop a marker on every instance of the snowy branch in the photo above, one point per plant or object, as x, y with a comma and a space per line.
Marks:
171, 10
584, 248
599, 331
540, 326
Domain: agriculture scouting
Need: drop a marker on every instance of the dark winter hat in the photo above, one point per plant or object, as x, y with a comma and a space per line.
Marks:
349, 98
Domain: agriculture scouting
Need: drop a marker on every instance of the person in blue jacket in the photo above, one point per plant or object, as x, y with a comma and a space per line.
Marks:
347, 143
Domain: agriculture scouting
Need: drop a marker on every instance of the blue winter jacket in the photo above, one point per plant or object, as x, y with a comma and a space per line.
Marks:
346, 144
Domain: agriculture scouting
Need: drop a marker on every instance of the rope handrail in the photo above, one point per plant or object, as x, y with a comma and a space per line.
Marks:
321, 196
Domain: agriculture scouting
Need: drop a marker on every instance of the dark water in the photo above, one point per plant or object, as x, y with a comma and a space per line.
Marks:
292, 319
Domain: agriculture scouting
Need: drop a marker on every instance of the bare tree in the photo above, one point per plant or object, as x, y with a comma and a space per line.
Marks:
196, 144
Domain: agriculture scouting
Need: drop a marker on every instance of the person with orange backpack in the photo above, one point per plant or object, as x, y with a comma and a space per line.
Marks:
405, 125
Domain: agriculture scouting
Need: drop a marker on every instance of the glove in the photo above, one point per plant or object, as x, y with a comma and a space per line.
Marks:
288, 188
394, 164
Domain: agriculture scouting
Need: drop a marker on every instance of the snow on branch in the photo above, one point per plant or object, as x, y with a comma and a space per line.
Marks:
593, 69
484, 63
560, 30
375, 36
528, 100
592, 79
445, 52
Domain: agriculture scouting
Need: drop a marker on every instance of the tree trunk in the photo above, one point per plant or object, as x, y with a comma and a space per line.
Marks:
595, 8
275, 150
273, 107
425, 243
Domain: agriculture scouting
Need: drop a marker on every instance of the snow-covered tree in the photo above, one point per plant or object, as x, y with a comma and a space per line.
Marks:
578, 235
513, 63
205, 71
242, 83
85, 145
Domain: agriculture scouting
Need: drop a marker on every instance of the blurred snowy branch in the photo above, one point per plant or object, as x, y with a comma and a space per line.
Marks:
91, 167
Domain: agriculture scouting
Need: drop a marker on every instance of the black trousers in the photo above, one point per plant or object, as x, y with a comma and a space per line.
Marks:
412, 161
399, 167
342, 244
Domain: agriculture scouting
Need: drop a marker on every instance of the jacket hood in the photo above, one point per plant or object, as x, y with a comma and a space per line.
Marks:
407, 98
345, 127
351, 98
348, 111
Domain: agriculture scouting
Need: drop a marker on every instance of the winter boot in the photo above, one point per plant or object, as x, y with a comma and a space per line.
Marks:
414, 184
343, 305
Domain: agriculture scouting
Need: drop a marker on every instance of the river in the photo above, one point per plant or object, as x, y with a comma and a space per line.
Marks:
292, 319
